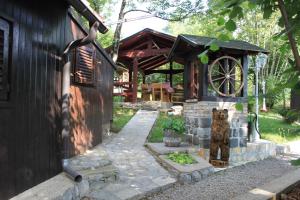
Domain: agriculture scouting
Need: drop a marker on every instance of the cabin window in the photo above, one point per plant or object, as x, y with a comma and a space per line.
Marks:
4, 57
84, 69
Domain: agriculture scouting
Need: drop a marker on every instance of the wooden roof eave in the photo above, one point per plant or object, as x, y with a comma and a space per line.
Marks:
144, 31
82, 7
95, 43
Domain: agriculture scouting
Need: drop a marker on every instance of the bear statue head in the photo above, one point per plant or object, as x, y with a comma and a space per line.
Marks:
223, 114
220, 114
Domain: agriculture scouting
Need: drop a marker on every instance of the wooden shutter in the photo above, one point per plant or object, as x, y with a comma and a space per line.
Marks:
84, 70
4, 50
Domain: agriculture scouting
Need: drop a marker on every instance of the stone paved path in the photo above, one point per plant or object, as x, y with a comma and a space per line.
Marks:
140, 174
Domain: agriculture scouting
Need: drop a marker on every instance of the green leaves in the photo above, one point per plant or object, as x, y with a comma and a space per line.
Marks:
230, 25
267, 12
203, 58
223, 37
239, 107
174, 123
221, 21
251, 5
214, 47
181, 158
237, 11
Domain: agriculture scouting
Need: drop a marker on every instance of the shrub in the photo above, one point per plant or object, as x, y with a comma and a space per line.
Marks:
290, 116
174, 123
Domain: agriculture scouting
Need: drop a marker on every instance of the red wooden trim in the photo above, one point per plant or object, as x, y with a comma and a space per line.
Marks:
144, 53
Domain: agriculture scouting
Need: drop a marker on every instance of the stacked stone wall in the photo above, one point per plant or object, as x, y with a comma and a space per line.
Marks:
198, 117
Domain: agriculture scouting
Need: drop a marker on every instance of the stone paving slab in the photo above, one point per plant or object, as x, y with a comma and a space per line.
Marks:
139, 173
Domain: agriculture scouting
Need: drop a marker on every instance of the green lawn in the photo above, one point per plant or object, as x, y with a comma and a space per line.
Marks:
271, 126
295, 162
274, 128
156, 134
120, 118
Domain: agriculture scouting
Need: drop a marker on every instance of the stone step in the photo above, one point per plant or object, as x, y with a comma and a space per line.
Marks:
100, 177
96, 168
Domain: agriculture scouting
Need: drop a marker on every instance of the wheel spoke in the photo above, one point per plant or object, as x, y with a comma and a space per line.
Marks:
232, 69
219, 73
221, 67
222, 83
217, 79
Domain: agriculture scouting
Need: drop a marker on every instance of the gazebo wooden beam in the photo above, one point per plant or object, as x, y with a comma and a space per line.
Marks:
144, 53
153, 64
142, 62
164, 71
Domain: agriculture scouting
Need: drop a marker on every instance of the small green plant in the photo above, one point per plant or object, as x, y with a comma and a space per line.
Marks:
295, 162
174, 123
181, 158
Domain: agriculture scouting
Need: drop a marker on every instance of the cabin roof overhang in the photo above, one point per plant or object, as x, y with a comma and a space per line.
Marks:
79, 22
187, 44
82, 7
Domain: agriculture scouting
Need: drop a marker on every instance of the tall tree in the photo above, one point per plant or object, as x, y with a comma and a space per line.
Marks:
163, 9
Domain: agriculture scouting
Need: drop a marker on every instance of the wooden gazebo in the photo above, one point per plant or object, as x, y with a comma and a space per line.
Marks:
144, 52
224, 77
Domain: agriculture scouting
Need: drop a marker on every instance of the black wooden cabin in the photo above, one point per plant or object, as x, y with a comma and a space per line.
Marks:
33, 35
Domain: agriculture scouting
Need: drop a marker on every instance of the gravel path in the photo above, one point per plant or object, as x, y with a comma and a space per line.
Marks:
229, 183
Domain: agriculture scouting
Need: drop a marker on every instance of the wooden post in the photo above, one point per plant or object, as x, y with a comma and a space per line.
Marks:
244, 91
144, 78
186, 79
130, 76
171, 74
135, 80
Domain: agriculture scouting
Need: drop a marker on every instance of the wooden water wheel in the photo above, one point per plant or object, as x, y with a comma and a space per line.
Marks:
226, 76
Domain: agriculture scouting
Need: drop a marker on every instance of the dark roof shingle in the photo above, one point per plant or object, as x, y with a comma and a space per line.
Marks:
195, 40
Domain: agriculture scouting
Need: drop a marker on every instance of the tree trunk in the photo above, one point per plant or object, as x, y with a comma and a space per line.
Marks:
117, 34
288, 29
295, 99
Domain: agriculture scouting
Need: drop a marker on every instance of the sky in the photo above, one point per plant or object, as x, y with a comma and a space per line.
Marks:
132, 27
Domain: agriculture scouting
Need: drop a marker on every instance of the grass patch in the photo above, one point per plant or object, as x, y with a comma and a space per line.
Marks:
295, 162
120, 117
182, 158
157, 132
272, 127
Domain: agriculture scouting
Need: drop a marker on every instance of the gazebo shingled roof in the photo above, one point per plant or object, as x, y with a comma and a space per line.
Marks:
187, 43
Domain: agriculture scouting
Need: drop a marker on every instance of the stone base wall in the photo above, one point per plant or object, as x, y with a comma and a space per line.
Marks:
253, 152
198, 117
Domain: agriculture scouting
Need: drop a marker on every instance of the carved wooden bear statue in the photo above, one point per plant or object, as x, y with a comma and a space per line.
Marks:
219, 135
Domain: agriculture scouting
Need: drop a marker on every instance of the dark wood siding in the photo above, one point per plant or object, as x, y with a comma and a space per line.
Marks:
30, 122
91, 104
